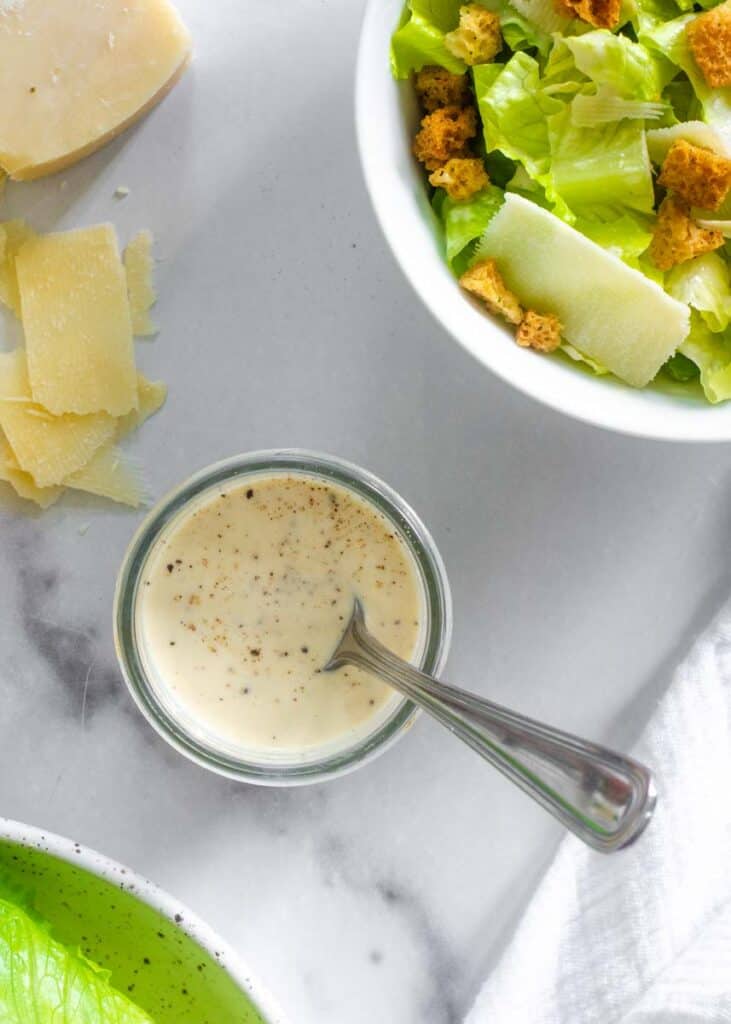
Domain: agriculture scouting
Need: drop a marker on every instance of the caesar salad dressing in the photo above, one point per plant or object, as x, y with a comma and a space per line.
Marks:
245, 596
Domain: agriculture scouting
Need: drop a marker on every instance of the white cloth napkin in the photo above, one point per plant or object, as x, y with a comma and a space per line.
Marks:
642, 936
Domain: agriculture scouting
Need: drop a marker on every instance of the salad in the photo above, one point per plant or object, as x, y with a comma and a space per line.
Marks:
578, 154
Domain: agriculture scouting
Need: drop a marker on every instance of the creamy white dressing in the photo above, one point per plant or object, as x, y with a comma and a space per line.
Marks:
245, 596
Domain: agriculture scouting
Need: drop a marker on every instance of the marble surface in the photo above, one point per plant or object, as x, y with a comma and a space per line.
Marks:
582, 563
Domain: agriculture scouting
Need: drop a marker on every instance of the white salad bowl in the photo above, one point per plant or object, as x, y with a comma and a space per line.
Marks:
386, 119
63, 872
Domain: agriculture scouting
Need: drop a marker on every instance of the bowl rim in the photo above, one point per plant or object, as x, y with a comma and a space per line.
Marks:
158, 899
651, 415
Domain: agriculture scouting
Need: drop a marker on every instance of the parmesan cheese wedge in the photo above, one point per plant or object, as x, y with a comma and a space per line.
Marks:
608, 311
75, 73
138, 267
49, 448
109, 475
22, 482
75, 314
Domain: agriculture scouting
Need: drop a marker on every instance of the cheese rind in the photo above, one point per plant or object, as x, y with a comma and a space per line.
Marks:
75, 73
138, 267
50, 448
75, 314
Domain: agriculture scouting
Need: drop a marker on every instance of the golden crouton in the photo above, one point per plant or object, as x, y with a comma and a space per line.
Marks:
599, 13
539, 331
460, 177
478, 39
436, 87
484, 280
709, 37
444, 134
697, 175
677, 238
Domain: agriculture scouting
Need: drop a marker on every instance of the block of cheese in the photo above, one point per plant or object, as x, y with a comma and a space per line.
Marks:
138, 267
48, 447
75, 73
76, 319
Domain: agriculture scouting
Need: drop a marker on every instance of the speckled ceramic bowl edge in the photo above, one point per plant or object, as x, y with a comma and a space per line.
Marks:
141, 888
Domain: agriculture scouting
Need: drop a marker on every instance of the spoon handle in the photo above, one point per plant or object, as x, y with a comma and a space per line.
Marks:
605, 798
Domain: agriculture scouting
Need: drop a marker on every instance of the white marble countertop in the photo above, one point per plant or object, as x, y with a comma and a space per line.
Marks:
581, 562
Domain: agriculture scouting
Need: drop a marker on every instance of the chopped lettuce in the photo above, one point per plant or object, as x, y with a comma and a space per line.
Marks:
42, 982
628, 69
599, 172
627, 236
419, 39
514, 109
466, 221
711, 353
703, 283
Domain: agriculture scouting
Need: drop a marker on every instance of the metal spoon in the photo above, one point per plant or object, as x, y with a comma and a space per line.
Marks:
606, 799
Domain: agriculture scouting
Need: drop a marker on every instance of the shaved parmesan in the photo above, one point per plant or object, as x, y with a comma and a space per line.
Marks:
110, 475
14, 234
77, 324
50, 448
138, 266
22, 482
151, 395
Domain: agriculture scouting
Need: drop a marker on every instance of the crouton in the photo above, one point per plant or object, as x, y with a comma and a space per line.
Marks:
599, 13
444, 134
697, 175
484, 280
539, 331
677, 238
460, 177
477, 39
436, 87
709, 37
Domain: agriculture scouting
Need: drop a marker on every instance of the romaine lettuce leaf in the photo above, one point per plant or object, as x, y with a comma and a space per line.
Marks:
466, 221
627, 237
443, 14
647, 15
419, 39
41, 982
600, 172
628, 68
712, 355
513, 109
703, 283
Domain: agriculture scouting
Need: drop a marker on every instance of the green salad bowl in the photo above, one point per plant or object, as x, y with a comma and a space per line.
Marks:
160, 955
